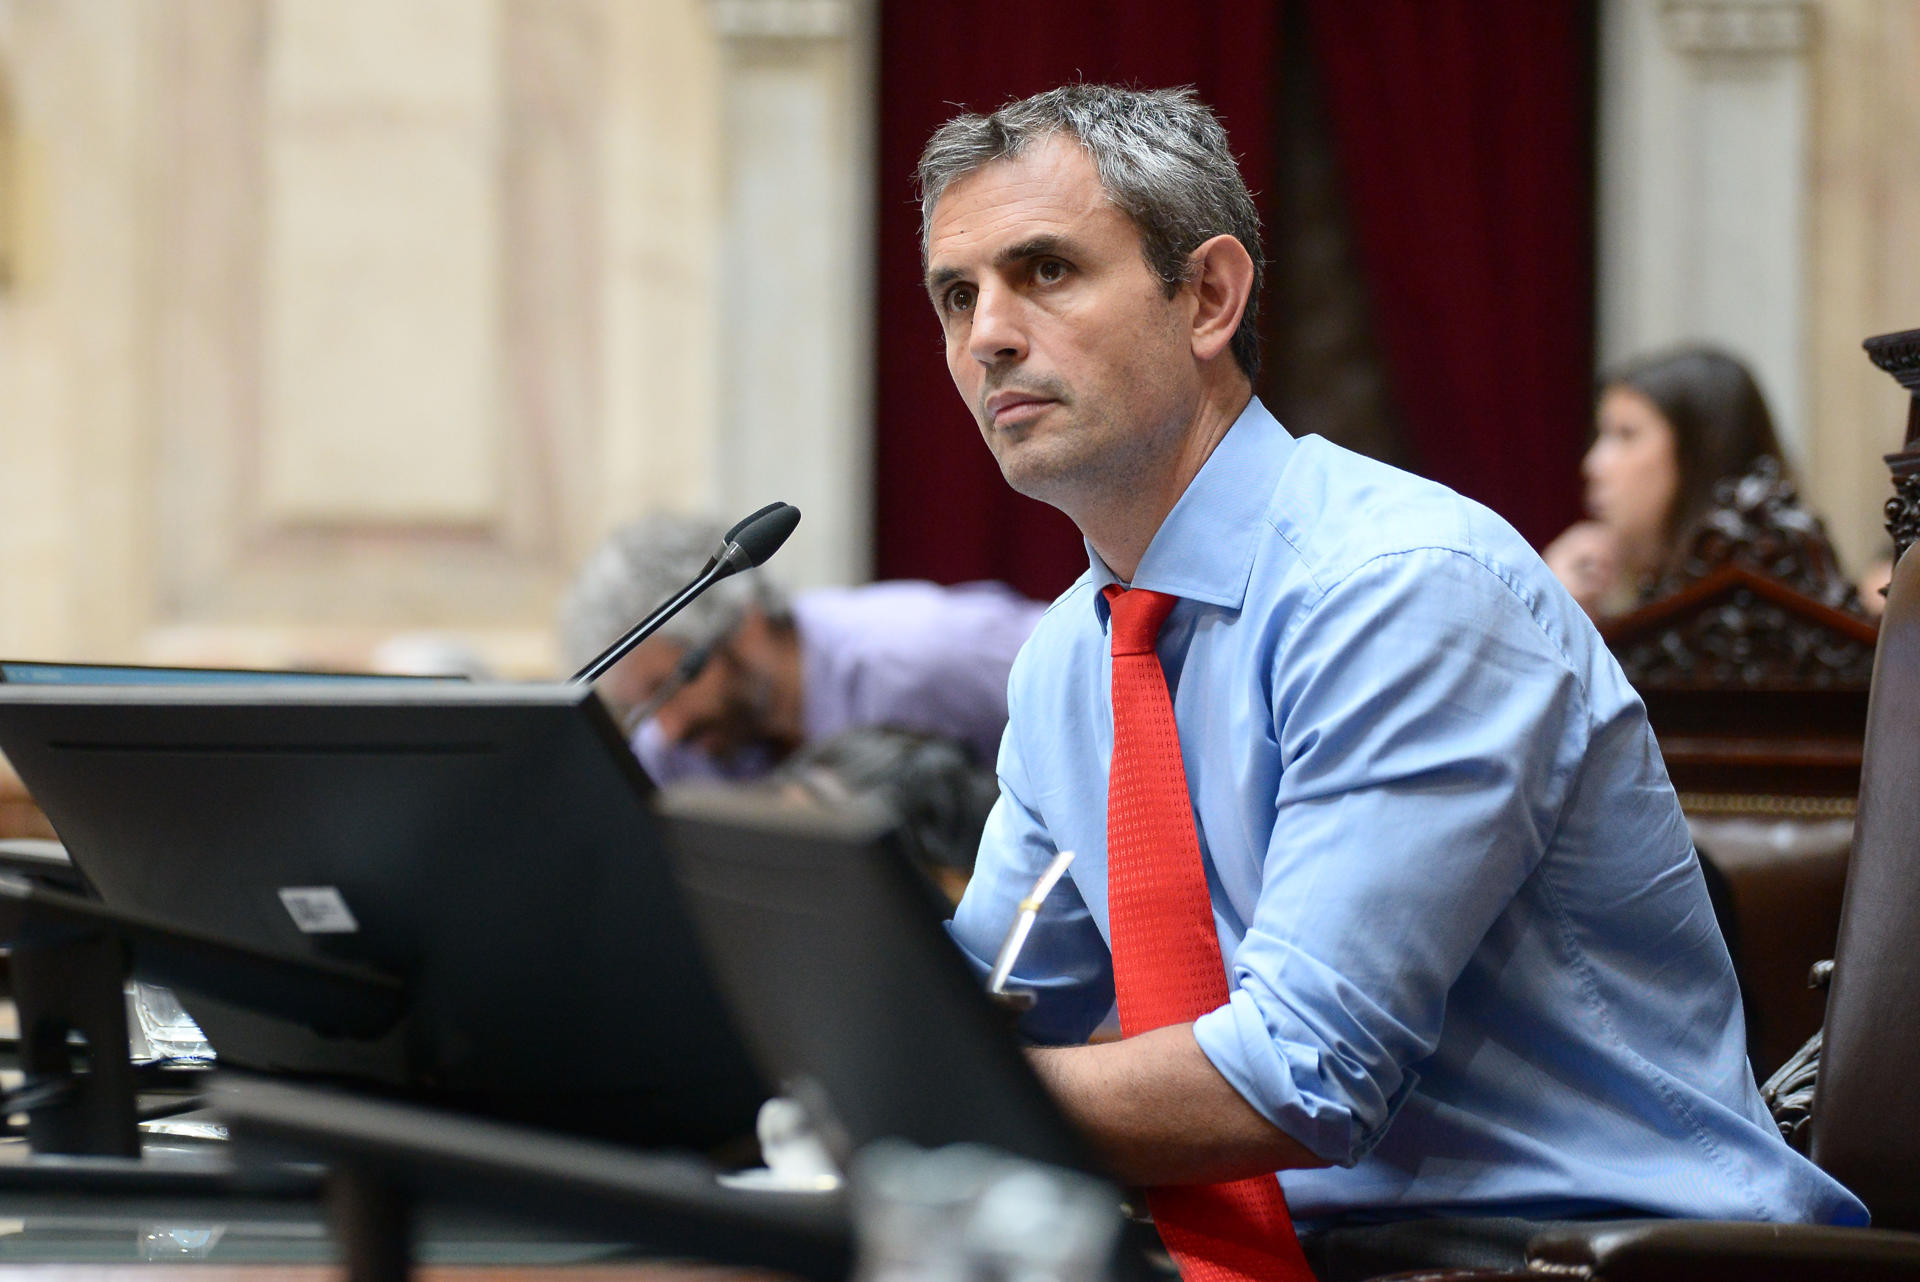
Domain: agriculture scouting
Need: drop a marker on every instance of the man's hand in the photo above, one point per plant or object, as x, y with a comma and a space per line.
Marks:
1160, 1113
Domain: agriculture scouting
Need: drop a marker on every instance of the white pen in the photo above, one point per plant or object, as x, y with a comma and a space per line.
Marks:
1023, 922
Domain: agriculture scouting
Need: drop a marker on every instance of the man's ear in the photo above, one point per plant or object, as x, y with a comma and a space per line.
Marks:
1221, 278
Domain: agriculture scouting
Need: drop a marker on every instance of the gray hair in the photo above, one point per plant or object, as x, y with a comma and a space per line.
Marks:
1162, 157
641, 565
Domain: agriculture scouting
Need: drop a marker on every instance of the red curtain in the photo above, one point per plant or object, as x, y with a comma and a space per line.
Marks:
1463, 130
942, 510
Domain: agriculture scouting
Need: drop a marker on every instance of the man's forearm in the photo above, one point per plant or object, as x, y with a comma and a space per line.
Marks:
1161, 1113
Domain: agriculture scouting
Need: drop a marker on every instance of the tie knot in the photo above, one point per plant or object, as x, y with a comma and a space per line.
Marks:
1137, 616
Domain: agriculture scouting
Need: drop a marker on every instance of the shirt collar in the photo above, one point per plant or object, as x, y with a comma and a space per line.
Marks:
1204, 550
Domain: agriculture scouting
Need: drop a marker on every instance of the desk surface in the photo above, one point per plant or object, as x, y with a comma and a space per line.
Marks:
67, 1238
49, 1234
441, 1273
66, 1230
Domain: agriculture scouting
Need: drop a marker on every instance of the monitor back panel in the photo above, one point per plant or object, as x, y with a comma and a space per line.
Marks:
830, 946
491, 846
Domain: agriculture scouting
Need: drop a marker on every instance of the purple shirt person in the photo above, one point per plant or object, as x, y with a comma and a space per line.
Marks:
742, 677
906, 654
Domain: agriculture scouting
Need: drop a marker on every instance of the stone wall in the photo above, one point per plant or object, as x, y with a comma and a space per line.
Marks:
325, 322
334, 321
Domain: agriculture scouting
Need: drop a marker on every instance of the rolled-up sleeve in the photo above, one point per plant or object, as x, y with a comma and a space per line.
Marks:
1427, 731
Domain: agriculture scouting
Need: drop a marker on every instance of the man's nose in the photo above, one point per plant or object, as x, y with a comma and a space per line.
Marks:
998, 333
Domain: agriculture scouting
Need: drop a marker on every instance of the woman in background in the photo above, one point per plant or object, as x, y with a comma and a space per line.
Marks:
1668, 427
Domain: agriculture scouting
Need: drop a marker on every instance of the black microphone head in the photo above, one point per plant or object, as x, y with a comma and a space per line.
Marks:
759, 536
750, 542
739, 526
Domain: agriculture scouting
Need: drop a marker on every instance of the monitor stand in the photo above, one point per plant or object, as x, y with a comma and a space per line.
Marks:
70, 958
386, 1158
74, 983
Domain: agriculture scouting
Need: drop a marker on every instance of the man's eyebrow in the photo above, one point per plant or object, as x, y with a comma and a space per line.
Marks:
1032, 247
937, 281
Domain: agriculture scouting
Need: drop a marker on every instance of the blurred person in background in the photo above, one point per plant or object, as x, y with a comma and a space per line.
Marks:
744, 675
1668, 428
931, 784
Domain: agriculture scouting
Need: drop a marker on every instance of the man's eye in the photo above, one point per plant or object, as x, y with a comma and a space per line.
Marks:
1048, 270
960, 298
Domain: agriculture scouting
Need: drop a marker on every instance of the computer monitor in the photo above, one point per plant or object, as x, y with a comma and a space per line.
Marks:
829, 944
491, 846
46, 672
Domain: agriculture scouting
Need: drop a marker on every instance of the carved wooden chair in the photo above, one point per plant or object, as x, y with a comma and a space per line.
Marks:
1865, 1124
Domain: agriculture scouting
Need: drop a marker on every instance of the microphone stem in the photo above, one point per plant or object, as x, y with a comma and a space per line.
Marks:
649, 625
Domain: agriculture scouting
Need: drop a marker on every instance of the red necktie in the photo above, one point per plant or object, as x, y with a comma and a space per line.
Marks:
1166, 953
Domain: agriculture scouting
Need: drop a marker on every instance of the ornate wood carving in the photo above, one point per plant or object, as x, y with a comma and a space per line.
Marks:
1757, 521
1788, 1093
1899, 355
1737, 628
1753, 656
1903, 511
1741, 640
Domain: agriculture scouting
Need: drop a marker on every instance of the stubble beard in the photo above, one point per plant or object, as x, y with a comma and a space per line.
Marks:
1046, 466
1027, 455
1087, 468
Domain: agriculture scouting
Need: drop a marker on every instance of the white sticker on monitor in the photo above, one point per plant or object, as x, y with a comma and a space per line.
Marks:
318, 910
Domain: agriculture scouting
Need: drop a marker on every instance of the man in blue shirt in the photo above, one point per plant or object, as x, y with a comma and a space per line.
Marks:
1471, 962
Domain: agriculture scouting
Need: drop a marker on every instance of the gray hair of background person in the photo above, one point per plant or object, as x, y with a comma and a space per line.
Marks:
640, 566
1162, 157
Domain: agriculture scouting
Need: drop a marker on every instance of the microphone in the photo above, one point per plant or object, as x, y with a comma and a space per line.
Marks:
753, 539
750, 542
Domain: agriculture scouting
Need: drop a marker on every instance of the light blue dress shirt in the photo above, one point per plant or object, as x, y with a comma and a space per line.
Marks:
1470, 952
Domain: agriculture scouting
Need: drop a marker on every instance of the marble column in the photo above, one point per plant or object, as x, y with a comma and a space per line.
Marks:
1864, 258
795, 330
75, 359
1703, 166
